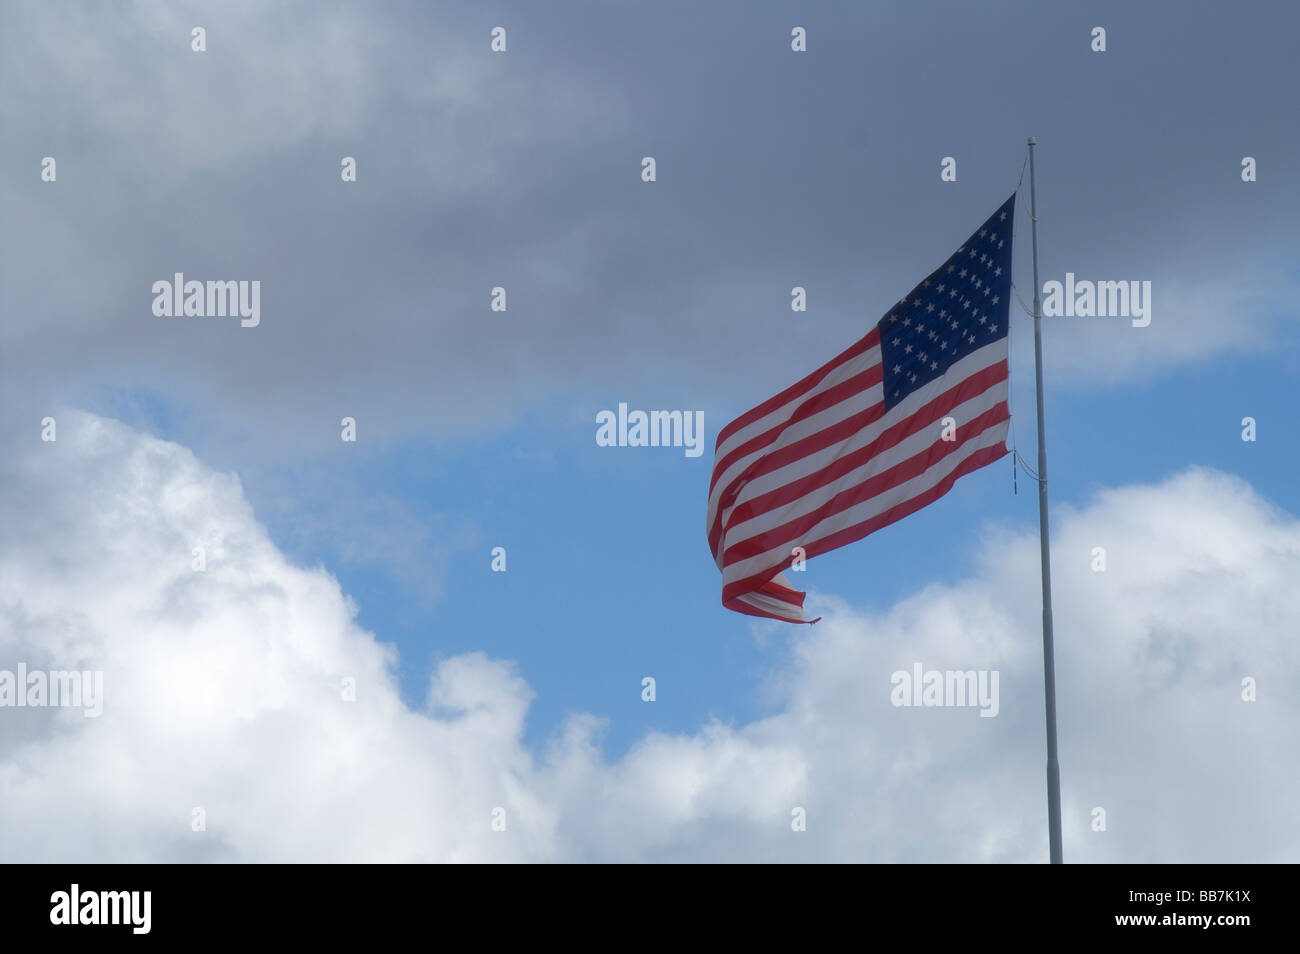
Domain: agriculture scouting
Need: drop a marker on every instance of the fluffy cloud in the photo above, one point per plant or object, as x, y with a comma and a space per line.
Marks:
222, 690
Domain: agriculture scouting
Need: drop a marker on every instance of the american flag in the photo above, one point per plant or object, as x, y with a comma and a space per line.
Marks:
860, 442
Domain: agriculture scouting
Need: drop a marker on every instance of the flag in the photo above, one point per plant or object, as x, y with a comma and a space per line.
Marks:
875, 434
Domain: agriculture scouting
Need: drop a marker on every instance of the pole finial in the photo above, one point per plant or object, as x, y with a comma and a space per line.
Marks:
1033, 141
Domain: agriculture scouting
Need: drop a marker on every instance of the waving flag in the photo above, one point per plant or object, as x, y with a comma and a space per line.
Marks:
863, 441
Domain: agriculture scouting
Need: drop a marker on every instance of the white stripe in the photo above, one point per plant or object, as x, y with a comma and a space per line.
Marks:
849, 369
771, 604
867, 509
813, 464
973, 363
823, 419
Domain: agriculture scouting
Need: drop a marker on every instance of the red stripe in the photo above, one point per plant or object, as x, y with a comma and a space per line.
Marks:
793, 530
814, 405
749, 610
904, 470
783, 593
971, 386
856, 532
861, 346
923, 417
838, 431
775, 590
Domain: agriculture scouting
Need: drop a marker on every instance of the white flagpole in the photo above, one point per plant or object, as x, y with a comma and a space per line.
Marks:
1049, 663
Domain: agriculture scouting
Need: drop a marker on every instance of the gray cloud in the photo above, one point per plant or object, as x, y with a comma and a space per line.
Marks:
521, 170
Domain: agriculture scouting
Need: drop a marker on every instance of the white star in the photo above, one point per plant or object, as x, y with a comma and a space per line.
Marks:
943, 345
942, 313
896, 341
986, 291
923, 357
965, 302
934, 365
898, 368
920, 328
1002, 217
912, 377
995, 299
952, 293
972, 338
933, 336
963, 273
907, 322
926, 283
984, 319
930, 307
999, 244
998, 270
908, 349
972, 253
941, 287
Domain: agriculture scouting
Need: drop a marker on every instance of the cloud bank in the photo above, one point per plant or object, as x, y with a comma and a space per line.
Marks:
223, 691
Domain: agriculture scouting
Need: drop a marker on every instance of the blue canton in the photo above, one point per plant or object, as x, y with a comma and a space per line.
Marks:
963, 305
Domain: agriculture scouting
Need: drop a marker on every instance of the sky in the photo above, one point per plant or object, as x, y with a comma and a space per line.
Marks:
371, 560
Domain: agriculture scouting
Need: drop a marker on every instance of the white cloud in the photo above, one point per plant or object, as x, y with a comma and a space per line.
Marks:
222, 691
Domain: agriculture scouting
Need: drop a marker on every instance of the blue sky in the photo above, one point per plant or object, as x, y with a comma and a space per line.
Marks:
655, 609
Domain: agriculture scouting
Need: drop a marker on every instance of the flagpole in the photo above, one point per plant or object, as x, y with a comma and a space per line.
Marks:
1049, 662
